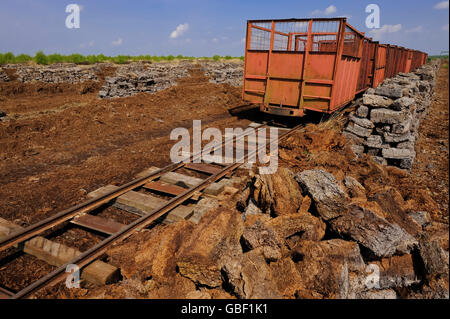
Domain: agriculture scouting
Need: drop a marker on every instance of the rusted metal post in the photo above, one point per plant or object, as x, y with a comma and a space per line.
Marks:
340, 48
289, 44
305, 65
272, 38
248, 36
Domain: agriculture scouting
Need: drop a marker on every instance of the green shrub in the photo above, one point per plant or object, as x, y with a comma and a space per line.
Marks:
76, 58
22, 58
40, 58
101, 58
141, 58
121, 59
91, 59
2, 59
7, 57
55, 58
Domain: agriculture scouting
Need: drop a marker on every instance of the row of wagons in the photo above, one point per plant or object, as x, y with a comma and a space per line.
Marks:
297, 65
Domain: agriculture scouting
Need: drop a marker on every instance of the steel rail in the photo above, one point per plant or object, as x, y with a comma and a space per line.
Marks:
93, 203
96, 251
5, 294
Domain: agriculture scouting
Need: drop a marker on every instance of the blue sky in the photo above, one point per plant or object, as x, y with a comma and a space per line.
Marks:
204, 27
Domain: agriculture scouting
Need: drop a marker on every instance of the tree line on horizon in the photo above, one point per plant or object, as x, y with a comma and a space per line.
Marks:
44, 59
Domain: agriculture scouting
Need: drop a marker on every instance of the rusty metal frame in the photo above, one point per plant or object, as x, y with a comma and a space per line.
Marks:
337, 59
305, 64
331, 94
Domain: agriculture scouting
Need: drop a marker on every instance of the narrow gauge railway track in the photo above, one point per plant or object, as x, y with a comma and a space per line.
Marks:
90, 255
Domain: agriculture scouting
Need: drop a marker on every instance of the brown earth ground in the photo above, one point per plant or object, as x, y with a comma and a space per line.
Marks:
52, 155
430, 170
63, 142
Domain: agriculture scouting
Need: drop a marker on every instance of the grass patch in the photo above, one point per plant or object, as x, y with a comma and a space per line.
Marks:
43, 59
434, 57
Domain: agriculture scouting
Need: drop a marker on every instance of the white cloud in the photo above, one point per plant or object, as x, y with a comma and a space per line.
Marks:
377, 34
441, 5
243, 40
215, 40
328, 11
445, 27
117, 42
179, 31
415, 30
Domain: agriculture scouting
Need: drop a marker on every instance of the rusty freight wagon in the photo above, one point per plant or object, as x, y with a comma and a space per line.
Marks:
295, 65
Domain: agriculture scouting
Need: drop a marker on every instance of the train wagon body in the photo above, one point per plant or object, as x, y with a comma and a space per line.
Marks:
296, 65
367, 68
